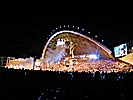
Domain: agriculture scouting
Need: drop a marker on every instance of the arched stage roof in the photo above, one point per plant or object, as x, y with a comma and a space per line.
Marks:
85, 45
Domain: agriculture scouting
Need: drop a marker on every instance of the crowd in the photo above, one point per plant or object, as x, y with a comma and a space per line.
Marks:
73, 65
106, 65
23, 84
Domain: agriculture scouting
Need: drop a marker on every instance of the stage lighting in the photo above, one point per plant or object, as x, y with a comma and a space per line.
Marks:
93, 56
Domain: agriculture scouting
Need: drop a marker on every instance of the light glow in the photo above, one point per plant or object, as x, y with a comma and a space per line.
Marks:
93, 56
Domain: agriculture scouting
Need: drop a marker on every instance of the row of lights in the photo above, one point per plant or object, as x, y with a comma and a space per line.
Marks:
68, 26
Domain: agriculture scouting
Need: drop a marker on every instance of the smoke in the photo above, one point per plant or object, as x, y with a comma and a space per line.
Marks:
55, 55
28, 63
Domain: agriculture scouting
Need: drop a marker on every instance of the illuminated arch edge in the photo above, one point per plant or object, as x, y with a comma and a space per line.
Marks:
98, 44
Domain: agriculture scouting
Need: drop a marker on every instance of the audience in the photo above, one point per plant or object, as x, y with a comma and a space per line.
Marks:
26, 84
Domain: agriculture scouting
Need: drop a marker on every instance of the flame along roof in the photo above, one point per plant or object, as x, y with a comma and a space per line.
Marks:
85, 45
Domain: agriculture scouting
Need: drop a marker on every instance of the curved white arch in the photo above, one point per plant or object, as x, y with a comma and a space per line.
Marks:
100, 45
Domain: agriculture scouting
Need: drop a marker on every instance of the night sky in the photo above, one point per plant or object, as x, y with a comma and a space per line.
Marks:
27, 35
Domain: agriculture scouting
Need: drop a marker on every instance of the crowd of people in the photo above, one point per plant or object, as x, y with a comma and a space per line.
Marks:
106, 65
73, 65
24, 84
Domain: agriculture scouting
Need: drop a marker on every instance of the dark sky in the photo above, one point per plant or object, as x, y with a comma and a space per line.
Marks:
28, 34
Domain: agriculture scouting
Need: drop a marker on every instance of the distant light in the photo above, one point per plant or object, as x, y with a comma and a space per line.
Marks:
102, 40
60, 26
82, 29
64, 25
95, 35
73, 26
53, 30
78, 27
56, 28
68, 25
89, 32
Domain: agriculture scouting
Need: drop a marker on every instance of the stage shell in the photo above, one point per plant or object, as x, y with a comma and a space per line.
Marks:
84, 44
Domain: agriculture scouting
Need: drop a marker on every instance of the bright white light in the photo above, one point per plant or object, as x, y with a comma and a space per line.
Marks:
89, 32
82, 56
37, 63
93, 56
60, 26
56, 28
60, 42
20, 66
76, 62
102, 40
64, 25
68, 25
95, 35
82, 29
78, 27
73, 26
